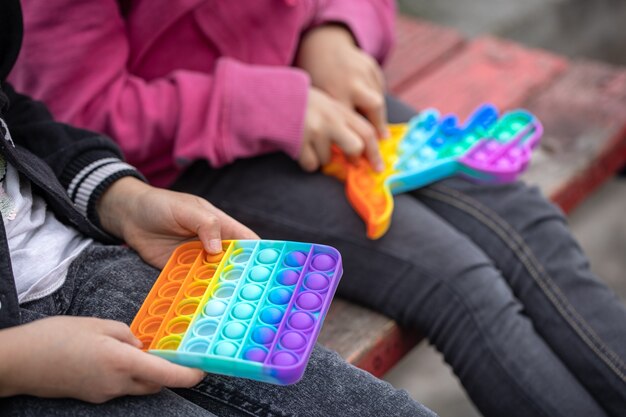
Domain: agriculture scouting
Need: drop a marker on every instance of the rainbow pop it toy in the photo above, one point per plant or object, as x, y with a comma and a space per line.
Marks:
488, 148
253, 311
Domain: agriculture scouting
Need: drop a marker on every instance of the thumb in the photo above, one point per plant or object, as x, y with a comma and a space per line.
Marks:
200, 219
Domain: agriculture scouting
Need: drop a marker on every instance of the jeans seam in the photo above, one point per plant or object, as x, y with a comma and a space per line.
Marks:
267, 412
534, 267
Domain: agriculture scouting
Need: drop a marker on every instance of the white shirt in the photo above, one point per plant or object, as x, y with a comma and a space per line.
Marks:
41, 247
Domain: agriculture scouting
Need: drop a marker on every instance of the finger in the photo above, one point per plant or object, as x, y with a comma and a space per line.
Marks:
233, 229
158, 371
322, 150
371, 104
376, 76
120, 331
208, 228
370, 142
308, 159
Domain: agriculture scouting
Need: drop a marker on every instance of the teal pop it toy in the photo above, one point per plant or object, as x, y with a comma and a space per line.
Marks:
253, 311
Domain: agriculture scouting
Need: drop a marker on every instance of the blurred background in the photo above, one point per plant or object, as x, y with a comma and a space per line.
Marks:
594, 29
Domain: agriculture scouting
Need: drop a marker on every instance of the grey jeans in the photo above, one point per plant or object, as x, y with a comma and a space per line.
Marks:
111, 282
490, 274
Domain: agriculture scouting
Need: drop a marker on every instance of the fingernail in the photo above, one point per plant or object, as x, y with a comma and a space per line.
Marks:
387, 133
215, 245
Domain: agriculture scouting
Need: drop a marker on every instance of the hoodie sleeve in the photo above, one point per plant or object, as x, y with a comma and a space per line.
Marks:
77, 65
85, 163
370, 21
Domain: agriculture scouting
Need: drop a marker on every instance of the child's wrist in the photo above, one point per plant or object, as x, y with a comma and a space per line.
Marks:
116, 204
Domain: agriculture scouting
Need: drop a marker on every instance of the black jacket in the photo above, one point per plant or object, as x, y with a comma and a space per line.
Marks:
70, 168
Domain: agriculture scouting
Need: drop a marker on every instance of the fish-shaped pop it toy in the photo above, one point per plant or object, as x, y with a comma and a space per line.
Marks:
253, 311
488, 148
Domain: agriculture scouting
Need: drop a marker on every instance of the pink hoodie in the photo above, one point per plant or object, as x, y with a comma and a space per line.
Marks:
180, 80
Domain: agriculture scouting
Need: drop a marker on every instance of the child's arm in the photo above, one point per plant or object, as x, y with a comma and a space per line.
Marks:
342, 51
339, 68
370, 22
154, 221
85, 358
76, 61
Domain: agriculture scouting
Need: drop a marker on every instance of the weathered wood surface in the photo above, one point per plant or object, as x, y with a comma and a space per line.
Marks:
581, 104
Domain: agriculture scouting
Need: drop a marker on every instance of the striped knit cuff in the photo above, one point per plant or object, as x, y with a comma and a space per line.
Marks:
90, 182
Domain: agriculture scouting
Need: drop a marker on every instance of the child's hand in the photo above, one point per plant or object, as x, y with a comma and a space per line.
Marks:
342, 70
89, 359
155, 221
328, 121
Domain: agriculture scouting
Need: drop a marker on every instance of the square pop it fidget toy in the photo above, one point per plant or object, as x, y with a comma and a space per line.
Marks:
252, 311
488, 148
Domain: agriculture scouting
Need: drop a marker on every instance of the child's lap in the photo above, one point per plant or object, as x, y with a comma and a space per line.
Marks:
420, 252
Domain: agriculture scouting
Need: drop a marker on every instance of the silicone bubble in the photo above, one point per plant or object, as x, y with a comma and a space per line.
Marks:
178, 273
234, 330
288, 277
198, 346
226, 349
205, 328
268, 256
169, 290
188, 257
295, 259
293, 340
240, 256
178, 325
323, 262
256, 354
150, 325
301, 321
160, 307
251, 292
214, 308
205, 272
309, 301
243, 311
232, 274
252, 311
284, 359
225, 291
214, 258
187, 307
263, 335
271, 315
260, 274
280, 296
169, 343
196, 289
316, 281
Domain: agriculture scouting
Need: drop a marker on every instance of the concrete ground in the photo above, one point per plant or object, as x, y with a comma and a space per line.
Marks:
576, 28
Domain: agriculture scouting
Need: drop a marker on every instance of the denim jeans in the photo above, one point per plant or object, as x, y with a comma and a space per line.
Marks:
490, 274
111, 282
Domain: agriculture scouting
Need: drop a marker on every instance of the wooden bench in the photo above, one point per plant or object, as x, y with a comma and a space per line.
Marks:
582, 105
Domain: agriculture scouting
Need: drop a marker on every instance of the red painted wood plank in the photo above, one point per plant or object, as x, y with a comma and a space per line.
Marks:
419, 46
387, 351
584, 116
487, 70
